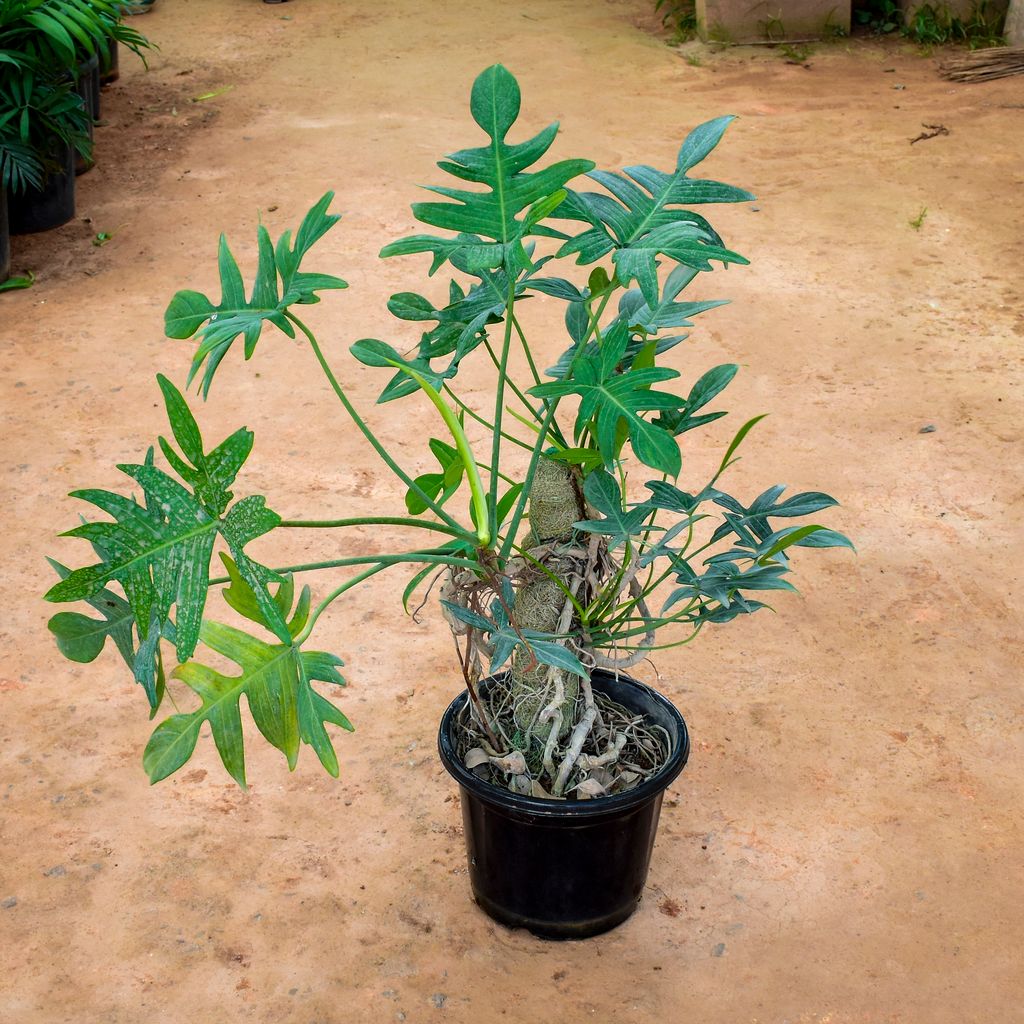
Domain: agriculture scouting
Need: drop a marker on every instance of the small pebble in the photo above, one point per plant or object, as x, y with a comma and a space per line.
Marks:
11, 901
439, 999
929, 429
755, 209
56, 872
718, 950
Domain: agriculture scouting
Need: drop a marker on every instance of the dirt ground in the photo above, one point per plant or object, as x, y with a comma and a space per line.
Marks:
845, 845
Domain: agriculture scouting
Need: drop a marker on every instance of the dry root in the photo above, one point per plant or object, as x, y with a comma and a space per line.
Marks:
541, 730
613, 757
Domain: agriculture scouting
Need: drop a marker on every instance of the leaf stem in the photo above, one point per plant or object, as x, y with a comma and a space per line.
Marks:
317, 524
365, 430
434, 557
333, 596
499, 403
473, 415
524, 497
511, 384
481, 514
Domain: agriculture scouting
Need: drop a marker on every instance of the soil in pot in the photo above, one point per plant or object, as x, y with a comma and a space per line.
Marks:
565, 869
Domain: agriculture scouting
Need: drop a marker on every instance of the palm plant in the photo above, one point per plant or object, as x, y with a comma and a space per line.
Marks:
39, 117
42, 43
56, 34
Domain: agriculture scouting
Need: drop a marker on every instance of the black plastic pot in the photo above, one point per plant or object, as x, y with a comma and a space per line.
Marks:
110, 69
87, 85
49, 207
565, 869
5, 239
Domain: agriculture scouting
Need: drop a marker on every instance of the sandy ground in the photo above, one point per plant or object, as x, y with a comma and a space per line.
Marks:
845, 845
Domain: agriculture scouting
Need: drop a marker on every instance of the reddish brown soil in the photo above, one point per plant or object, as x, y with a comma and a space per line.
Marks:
846, 843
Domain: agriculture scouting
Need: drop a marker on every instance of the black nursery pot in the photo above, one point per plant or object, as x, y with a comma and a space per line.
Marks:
110, 69
87, 85
49, 207
5, 239
565, 869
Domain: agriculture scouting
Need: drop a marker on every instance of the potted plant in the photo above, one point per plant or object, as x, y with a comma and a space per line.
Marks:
564, 546
43, 124
49, 95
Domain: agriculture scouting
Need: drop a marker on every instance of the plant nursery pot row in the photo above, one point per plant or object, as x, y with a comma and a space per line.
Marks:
52, 205
565, 869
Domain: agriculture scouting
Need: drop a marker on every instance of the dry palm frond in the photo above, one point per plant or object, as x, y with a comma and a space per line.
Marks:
982, 65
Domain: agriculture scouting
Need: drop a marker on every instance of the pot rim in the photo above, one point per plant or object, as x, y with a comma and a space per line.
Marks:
571, 809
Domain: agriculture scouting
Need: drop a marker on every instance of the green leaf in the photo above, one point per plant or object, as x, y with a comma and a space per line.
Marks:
236, 315
416, 580
470, 618
275, 680
314, 711
641, 218
735, 443
410, 306
706, 388
602, 491
208, 475
467, 252
711, 384
81, 638
244, 599
546, 647
687, 244
372, 352
494, 101
461, 328
610, 397
505, 503
701, 141
160, 551
804, 504
588, 458
552, 653
557, 287
499, 166
13, 284
777, 544
826, 539
246, 520
160, 558
446, 483
431, 485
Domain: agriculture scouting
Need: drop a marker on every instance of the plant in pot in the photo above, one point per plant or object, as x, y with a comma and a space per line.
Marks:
48, 50
43, 123
564, 547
